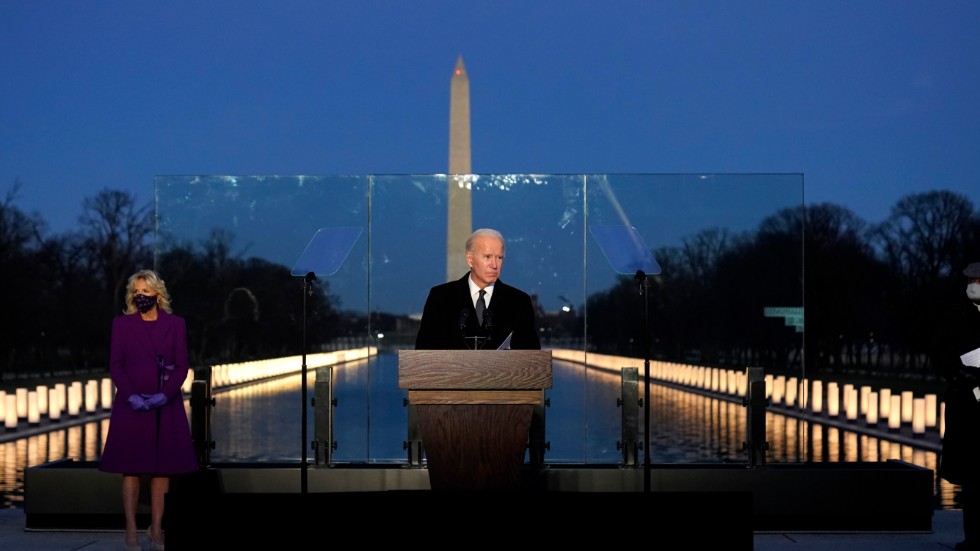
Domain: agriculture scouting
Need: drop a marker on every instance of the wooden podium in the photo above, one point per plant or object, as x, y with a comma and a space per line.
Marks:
474, 411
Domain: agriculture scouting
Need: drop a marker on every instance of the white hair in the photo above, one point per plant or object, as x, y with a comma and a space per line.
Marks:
484, 232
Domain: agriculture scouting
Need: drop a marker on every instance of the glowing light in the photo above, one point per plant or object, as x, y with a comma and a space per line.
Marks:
21, 402
865, 391
91, 395
33, 414
852, 406
55, 404
895, 413
779, 387
60, 396
107, 393
223, 375
74, 398
906, 406
42, 399
931, 410
817, 396
791, 389
833, 399
942, 420
918, 416
871, 415
10, 420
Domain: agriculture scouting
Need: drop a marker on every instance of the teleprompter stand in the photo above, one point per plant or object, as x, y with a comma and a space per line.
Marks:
629, 255
324, 254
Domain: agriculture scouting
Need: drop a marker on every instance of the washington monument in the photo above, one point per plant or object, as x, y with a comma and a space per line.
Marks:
460, 221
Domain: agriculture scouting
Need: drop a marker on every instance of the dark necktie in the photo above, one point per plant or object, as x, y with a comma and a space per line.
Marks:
481, 307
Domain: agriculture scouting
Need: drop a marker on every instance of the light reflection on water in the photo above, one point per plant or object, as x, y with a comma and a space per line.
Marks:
259, 422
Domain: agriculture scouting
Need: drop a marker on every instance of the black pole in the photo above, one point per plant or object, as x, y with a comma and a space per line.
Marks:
307, 291
641, 279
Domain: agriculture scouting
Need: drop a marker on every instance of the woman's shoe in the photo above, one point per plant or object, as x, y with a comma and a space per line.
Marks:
154, 544
129, 547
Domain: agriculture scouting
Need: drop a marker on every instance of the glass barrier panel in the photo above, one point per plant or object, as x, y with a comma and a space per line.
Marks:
726, 247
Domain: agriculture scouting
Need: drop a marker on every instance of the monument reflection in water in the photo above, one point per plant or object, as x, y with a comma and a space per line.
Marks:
260, 423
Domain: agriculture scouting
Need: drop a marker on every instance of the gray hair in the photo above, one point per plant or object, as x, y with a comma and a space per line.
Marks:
484, 232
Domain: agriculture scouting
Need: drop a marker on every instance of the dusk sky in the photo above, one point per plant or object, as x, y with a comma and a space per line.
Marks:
869, 100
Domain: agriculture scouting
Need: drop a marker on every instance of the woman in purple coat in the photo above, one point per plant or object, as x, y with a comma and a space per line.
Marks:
149, 434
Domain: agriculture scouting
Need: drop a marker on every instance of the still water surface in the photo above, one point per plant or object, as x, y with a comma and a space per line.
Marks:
261, 422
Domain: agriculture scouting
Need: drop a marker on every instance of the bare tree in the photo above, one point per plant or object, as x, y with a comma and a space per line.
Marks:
923, 233
686, 288
841, 276
116, 231
19, 232
699, 254
19, 324
922, 242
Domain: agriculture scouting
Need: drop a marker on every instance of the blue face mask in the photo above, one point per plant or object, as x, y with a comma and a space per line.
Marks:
144, 303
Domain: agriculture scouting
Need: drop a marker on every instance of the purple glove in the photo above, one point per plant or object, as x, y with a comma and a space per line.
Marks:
154, 401
137, 402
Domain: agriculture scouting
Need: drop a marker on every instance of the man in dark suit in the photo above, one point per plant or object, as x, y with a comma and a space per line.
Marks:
454, 318
961, 443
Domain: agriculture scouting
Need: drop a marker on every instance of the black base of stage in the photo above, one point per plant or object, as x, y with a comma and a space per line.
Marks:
244, 498
411, 518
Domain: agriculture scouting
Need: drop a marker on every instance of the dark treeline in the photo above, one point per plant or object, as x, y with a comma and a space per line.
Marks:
64, 290
875, 295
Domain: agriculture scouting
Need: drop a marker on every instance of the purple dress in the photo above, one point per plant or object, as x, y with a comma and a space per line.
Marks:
157, 441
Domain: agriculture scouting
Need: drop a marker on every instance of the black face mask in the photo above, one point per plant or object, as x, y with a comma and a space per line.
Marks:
144, 303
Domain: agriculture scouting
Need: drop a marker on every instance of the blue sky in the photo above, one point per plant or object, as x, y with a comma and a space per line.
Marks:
870, 100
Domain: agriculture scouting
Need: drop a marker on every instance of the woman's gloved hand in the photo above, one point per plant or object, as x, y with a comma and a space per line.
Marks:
154, 401
137, 402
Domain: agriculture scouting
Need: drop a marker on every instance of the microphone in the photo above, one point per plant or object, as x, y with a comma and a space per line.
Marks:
488, 321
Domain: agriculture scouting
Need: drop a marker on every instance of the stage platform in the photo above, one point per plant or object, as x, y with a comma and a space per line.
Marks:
891, 496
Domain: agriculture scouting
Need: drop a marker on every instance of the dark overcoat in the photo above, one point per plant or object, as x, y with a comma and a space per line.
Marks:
960, 456
449, 317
